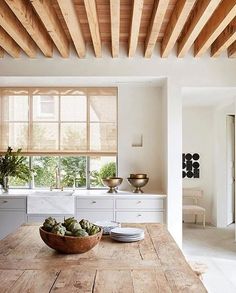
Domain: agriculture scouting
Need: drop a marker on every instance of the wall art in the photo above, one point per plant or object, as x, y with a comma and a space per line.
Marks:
191, 165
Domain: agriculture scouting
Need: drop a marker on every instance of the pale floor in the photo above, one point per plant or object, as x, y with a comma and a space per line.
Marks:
215, 248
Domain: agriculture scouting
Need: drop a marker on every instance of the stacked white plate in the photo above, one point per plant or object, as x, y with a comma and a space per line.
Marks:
127, 234
107, 226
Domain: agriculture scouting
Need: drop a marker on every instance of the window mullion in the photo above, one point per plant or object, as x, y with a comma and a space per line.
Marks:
31, 184
88, 172
59, 122
88, 121
30, 122
88, 141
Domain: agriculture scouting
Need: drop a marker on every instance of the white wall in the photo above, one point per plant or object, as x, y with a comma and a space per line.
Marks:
198, 137
140, 114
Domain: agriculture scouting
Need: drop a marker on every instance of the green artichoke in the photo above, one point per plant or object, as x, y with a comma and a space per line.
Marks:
49, 223
85, 224
73, 226
59, 229
93, 230
80, 233
68, 221
68, 233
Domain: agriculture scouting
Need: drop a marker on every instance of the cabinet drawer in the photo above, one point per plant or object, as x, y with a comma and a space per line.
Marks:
139, 203
139, 217
94, 203
94, 216
13, 203
10, 221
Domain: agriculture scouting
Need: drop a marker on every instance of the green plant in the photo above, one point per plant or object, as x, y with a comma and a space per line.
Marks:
12, 164
107, 170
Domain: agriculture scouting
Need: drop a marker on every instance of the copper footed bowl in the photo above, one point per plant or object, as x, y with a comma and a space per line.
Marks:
112, 183
70, 244
138, 183
140, 176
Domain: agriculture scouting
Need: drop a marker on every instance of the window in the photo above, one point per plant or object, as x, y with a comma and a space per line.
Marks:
73, 129
75, 171
58, 121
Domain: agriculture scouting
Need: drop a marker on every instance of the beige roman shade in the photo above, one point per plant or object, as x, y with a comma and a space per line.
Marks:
59, 120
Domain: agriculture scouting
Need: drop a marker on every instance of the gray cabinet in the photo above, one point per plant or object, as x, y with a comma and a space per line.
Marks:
12, 214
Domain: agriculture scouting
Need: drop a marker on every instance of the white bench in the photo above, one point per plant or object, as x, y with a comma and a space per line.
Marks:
194, 209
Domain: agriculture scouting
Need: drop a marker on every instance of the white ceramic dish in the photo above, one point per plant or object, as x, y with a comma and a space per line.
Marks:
127, 231
127, 234
127, 239
107, 226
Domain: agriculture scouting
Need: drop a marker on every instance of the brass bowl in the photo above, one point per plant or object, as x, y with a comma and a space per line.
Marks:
70, 244
138, 183
140, 176
112, 183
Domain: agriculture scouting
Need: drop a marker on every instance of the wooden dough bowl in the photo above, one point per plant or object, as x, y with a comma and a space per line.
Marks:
70, 244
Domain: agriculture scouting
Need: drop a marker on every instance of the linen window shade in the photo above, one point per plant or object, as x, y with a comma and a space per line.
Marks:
59, 121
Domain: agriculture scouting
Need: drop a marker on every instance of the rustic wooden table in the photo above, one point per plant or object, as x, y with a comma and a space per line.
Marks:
154, 264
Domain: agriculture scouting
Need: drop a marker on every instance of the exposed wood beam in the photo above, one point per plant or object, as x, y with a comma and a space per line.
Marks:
225, 39
7, 43
232, 50
72, 21
50, 20
13, 27
1, 52
115, 26
198, 18
222, 16
29, 19
135, 26
91, 10
158, 14
176, 23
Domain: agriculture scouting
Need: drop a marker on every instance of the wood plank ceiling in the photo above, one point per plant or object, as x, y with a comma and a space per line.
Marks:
33, 26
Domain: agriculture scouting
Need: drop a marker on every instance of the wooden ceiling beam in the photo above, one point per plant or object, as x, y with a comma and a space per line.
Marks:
52, 24
225, 39
14, 29
176, 23
198, 18
158, 14
115, 27
232, 50
72, 21
91, 11
7, 43
1, 52
135, 26
222, 16
23, 10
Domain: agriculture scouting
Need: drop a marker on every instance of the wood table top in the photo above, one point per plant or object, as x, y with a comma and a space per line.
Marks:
155, 264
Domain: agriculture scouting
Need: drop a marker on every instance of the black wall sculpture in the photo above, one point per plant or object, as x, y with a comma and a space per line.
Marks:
191, 166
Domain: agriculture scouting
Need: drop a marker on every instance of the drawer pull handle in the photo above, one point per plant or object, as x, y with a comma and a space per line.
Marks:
139, 201
93, 201
139, 215
5, 201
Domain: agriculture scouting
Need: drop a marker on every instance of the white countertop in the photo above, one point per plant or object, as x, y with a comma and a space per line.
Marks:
81, 193
103, 193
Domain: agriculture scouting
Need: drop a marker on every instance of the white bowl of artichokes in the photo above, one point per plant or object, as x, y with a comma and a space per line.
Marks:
70, 236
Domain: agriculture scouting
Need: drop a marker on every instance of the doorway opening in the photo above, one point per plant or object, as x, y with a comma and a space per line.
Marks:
230, 155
